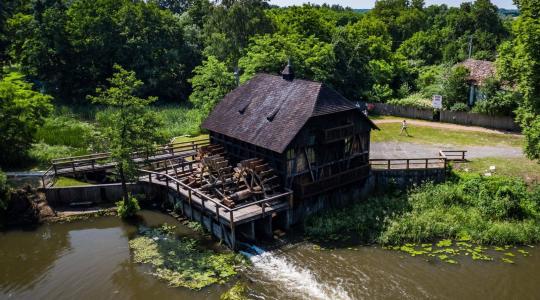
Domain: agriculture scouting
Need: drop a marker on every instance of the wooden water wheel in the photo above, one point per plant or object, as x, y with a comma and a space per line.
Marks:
254, 180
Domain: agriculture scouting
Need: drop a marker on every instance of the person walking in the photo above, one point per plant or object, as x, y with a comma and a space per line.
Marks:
404, 127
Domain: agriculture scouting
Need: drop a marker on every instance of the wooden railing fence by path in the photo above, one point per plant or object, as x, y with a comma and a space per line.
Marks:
440, 162
408, 163
102, 161
454, 155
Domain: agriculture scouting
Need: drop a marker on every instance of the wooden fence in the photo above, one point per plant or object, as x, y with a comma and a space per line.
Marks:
456, 117
482, 120
402, 111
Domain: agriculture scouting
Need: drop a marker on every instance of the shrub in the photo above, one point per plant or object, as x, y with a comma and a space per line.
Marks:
489, 210
459, 107
127, 209
416, 100
4, 192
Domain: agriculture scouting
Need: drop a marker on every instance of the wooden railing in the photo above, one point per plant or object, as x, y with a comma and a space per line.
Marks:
167, 179
98, 161
453, 155
408, 163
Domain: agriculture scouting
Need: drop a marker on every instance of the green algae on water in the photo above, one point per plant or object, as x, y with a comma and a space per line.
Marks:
180, 261
237, 292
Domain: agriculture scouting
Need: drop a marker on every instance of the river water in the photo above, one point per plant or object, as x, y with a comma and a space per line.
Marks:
91, 260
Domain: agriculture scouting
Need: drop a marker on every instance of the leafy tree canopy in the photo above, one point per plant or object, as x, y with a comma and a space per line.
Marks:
22, 111
129, 127
212, 81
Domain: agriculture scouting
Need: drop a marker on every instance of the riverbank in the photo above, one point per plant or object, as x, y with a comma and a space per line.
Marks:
92, 259
493, 210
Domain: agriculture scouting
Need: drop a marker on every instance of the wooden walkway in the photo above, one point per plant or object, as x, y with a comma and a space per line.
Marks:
77, 165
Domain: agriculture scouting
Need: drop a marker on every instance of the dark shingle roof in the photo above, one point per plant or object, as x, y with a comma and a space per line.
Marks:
268, 111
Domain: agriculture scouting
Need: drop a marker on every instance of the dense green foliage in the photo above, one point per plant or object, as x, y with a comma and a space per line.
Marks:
129, 127
211, 82
488, 210
70, 47
519, 64
4, 192
22, 111
127, 208
190, 50
181, 262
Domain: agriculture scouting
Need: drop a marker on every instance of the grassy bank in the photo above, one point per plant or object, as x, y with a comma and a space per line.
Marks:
486, 210
73, 131
442, 136
524, 168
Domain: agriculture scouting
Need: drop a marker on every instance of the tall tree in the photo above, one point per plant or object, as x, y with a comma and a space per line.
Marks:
311, 58
520, 63
22, 111
230, 25
130, 127
212, 81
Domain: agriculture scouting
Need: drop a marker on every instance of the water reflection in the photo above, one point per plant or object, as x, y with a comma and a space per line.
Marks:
91, 260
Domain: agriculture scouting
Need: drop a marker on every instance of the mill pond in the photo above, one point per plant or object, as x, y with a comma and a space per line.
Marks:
91, 259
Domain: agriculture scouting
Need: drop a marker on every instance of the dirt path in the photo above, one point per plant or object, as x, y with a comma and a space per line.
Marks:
387, 150
443, 125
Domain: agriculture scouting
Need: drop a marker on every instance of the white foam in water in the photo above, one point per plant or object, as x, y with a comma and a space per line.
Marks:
298, 280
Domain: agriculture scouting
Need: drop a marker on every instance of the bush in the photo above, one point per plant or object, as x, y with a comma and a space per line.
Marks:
127, 209
459, 107
4, 192
22, 112
416, 100
489, 210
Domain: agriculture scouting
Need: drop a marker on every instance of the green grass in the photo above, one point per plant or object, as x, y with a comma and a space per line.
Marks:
528, 170
73, 131
185, 139
442, 136
494, 210
67, 182
177, 120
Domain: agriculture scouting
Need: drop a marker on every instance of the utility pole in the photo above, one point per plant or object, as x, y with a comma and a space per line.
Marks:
470, 46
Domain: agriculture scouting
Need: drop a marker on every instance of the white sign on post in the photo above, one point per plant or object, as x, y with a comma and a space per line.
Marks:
437, 101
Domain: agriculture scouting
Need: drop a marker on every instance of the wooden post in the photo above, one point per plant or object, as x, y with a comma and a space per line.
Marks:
217, 213
177, 187
426, 163
232, 227
189, 197
150, 177
202, 211
389, 165
73, 166
407, 164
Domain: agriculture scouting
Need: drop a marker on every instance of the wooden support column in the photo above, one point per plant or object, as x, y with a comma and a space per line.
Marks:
267, 227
